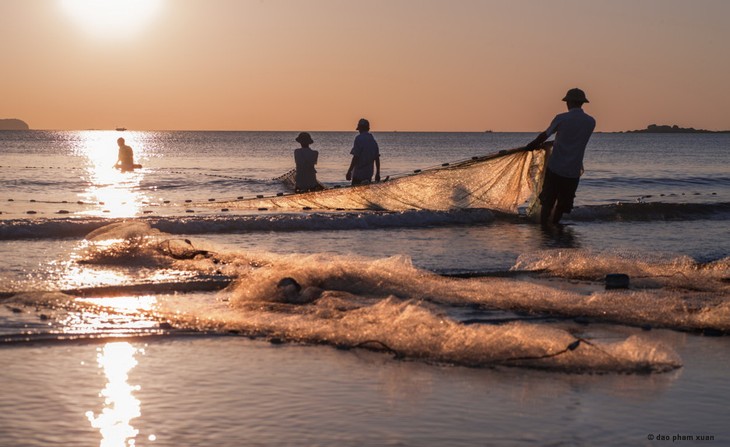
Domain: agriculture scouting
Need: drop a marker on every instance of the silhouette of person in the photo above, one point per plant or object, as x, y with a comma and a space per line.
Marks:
365, 154
125, 159
573, 129
305, 159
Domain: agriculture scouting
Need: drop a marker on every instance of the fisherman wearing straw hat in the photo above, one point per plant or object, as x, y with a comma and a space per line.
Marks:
573, 129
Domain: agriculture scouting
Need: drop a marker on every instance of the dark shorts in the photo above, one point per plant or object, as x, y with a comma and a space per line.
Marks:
558, 188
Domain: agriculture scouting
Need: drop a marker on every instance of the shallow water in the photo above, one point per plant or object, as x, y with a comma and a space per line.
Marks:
512, 303
228, 391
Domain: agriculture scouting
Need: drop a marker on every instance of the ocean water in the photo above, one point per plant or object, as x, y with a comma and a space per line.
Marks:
138, 312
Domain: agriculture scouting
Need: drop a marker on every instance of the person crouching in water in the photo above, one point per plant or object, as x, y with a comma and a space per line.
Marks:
305, 159
125, 159
365, 152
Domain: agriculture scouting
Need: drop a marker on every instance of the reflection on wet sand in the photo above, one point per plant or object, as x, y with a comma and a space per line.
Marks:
120, 405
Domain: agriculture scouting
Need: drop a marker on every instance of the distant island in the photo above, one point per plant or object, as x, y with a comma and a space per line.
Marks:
654, 128
13, 124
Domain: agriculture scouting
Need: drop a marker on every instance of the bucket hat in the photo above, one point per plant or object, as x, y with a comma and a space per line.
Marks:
304, 138
575, 94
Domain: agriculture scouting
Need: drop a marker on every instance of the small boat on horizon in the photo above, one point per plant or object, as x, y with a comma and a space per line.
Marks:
121, 129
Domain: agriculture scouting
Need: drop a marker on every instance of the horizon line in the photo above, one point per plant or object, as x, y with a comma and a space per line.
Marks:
300, 130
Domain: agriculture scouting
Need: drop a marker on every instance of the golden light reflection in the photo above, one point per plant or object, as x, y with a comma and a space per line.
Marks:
132, 304
120, 405
78, 272
113, 316
110, 192
75, 276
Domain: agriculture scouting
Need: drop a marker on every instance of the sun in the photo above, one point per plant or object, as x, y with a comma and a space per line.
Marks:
112, 18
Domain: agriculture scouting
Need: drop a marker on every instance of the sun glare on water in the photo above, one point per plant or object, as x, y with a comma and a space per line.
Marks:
110, 192
112, 18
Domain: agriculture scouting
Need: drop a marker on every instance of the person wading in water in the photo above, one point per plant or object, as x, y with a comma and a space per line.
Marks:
573, 129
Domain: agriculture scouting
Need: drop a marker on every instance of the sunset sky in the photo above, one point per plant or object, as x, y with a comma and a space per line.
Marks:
407, 65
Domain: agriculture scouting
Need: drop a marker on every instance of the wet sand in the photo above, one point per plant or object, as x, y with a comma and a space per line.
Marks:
232, 391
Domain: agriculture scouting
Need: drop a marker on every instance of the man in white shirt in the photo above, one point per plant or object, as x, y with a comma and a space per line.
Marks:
365, 153
573, 130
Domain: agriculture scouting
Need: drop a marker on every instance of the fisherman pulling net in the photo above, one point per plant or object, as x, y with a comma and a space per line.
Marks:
501, 181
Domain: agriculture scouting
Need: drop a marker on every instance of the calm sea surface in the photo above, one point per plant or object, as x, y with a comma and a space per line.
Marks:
451, 328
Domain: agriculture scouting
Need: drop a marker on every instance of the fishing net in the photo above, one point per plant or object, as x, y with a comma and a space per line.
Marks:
502, 181
288, 179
